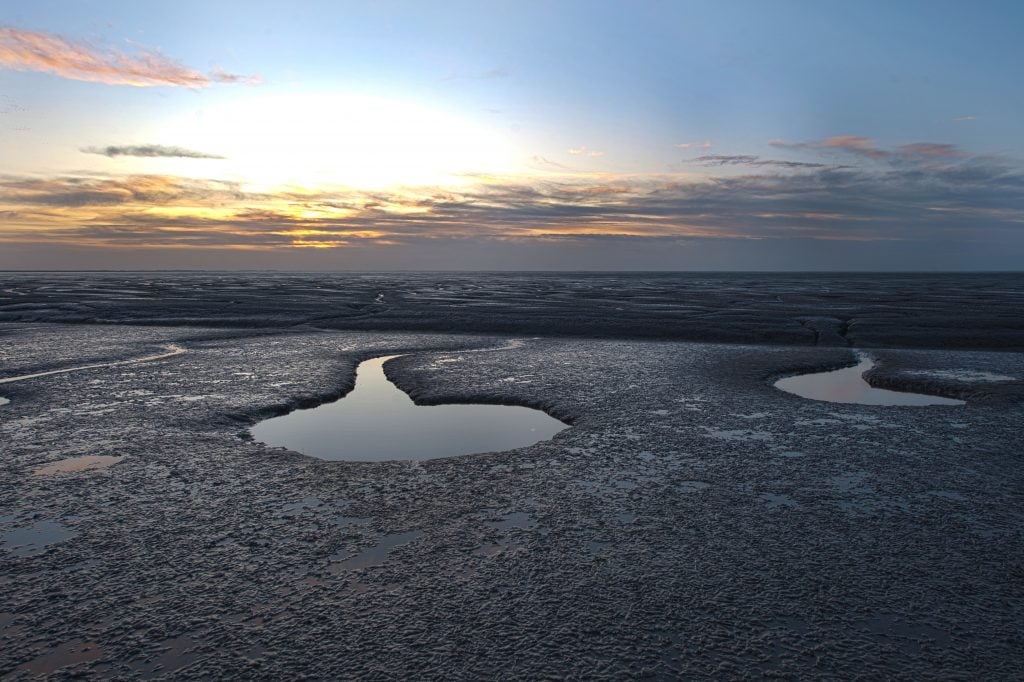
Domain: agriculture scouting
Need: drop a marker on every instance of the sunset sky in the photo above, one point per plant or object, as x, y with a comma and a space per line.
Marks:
512, 135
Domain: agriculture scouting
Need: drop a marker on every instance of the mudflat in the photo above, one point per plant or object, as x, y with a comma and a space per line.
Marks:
694, 521
869, 310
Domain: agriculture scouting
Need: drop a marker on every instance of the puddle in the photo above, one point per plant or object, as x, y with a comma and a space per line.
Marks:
776, 500
375, 555
70, 653
847, 385
378, 422
34, 539
513, 520
174, 655
299, 507
86, 463
4, 401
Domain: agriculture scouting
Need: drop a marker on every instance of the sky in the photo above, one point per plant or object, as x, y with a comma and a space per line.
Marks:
683, 135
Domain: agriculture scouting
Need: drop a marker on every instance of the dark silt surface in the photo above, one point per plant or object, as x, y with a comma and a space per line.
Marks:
695, 522
864, 310
378, 421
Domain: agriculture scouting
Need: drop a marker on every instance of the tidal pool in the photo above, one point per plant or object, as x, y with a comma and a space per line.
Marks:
378, 422
35, 539
73, 464
847, 385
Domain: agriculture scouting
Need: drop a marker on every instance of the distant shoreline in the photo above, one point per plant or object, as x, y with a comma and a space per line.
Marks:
978, 311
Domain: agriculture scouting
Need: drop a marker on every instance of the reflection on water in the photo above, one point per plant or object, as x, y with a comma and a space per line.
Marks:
34, 539
376, 555
77, 464
4, 401
69, 653
847, 385
377, 421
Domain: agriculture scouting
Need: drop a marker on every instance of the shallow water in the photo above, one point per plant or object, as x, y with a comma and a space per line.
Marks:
378, 554
34, 539
73, 464
847, 385
377, 422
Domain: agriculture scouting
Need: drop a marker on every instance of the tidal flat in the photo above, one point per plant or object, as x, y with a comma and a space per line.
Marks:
694, 521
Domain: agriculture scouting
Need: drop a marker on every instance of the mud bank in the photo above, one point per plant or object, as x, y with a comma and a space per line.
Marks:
694, 522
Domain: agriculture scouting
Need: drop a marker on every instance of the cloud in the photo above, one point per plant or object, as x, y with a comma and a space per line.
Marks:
725, 160
749, 160
23, 50
706, 144
959, 119
854, 144
583, 151
929, 150
544, 162
964, 200
866, 147
149, 151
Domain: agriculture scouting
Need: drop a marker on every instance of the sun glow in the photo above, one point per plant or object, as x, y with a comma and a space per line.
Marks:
342, 140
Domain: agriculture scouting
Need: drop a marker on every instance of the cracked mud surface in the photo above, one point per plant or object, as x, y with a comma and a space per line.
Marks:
693, 522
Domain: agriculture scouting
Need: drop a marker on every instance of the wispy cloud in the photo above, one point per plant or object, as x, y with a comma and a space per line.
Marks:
853, 144
866, 147
965, 118
23, 50
749, 160
706, 144
584, 151
929, 150
547, 164
149, 151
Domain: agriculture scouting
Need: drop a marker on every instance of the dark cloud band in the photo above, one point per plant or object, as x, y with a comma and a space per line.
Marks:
149, 151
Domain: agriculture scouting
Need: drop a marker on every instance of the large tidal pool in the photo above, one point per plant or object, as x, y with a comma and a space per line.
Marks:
378, 421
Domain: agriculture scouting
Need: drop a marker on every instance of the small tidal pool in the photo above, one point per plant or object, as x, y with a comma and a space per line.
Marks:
847, 385
378, 422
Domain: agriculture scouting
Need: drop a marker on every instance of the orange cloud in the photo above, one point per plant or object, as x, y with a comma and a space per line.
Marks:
910, 201
47, 53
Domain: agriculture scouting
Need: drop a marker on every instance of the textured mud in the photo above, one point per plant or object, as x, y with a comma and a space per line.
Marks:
693, 522
876, 310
